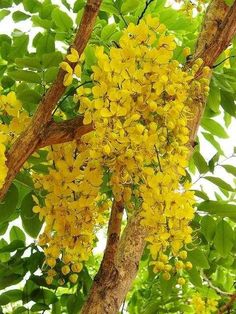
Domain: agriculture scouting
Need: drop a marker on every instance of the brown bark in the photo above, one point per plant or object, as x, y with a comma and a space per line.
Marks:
218, 30
62, 132
118, 268
110, 288
34, 134
226, 308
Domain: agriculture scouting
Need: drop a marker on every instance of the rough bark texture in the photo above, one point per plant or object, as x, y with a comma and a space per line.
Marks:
219, 27
112, 284
118, 271
30, 140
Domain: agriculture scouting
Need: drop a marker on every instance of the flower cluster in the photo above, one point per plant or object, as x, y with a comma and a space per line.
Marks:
72, 207
13, 120
204, 305
139, 107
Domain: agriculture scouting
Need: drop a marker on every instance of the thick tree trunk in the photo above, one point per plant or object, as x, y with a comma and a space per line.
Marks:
116, 274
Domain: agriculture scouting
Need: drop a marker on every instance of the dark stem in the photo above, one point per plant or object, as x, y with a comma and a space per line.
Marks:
148, 2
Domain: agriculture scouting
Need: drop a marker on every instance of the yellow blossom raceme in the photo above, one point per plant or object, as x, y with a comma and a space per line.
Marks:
13, 120
203, 305
139, 107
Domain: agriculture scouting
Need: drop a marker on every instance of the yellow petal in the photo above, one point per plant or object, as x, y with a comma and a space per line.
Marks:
66, 67
73, 56
87, 117
105, 113
68, 78
77, 70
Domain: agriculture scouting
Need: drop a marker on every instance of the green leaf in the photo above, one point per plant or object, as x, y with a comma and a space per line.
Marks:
108, 31
7, 82
32, 6
51, 59
194, 277
200, 162
45, 44
29, 96
5, 4
227, 103
229, 2
201, 194
129, 6
50, 74
39, 307
230, 169
44, 296
19, 16
3, 228
213, 100
30, 221
10, 296
213, 161
90, 58
62, 20
44, 23
218, 208
29, 62
10, 280
198, 259
210, 138
13, 246
208, 226
78, 5
20, 309
220, 183
5, 256
3, 14
17, 234
214, 127
8, 205
20, 45
109, 7
75, 303
224, 238
26, 76
56, 308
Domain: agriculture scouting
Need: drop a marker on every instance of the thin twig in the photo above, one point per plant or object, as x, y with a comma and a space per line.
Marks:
148, 2
218, 290
216, 65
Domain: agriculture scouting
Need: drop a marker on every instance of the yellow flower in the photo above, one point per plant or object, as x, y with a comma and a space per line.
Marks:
73, 56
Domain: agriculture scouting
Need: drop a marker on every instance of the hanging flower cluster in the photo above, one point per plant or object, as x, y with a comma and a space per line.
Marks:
139, 107
12, 122
203, 305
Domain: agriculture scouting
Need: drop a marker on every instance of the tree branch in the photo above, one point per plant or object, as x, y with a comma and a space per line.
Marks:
29, 140
218, 30
62, 132
106, 279
227, 307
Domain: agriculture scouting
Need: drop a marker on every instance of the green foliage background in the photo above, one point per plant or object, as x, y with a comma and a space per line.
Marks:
28, 66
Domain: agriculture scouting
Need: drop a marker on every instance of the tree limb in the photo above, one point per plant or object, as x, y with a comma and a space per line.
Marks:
62, 132
218, 30
227, 307
29, 140
106, 279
